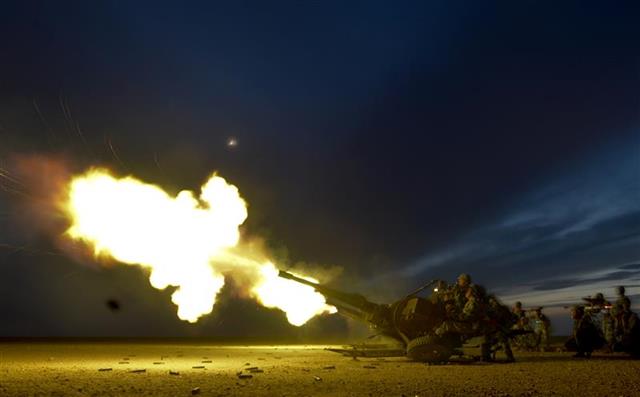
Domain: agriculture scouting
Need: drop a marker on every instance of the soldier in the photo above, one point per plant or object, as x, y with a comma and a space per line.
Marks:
621, 295
608, 330
470, 321
630, 340
466, 321
541, 330
459, 291
598, 301
616, 313
586, 336
521, 323
519, 315
501, 320
441, 293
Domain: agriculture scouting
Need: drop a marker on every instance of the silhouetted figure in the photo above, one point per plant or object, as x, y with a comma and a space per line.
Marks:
586, 337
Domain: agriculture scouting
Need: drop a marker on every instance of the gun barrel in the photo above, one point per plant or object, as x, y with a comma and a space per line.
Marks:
290, 276
353, 304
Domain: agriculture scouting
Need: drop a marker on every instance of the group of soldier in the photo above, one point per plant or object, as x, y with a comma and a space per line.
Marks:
598, 324
471, 312
536, 326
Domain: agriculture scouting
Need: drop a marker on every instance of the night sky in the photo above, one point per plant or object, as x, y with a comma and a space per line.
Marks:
400, 142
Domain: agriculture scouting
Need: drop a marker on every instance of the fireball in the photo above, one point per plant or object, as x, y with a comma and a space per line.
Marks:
183, 241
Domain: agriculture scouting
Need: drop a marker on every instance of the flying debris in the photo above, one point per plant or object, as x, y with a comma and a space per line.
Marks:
113, 305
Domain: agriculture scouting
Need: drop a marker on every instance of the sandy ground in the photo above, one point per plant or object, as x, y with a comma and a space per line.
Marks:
105, 369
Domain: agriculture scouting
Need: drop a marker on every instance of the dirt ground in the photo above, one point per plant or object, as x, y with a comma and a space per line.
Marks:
145, 369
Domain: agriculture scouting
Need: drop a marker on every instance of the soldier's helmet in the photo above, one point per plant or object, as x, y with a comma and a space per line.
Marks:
620, 290
519, 305
464, 277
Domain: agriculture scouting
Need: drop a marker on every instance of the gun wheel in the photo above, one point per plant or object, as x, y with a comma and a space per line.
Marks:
426, 349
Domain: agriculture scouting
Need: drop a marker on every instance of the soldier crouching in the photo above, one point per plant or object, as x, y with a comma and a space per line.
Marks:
586, 336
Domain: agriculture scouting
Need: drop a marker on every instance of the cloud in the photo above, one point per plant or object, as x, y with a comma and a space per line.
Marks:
567, 283
631, 266
574, 235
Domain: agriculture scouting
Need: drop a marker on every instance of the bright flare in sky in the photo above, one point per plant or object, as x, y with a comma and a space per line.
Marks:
181, 240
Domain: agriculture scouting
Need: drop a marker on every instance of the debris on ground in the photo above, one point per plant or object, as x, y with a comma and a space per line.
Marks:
317, 379
123, 362
105, 369
195, 390
198, 367
206, 361
244, 376
158, 362
174, 373
329, 367
138, 371
369, 366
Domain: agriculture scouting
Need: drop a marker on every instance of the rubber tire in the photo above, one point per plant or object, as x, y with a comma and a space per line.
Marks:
427, 349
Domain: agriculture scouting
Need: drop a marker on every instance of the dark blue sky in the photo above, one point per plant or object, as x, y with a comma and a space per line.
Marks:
401, 142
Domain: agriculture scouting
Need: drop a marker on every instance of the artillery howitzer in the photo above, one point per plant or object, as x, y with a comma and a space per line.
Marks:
411, 320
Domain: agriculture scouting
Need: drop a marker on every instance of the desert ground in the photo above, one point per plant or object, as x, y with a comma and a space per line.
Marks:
185, 369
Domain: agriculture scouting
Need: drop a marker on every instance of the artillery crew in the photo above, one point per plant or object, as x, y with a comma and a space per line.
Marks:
599, 323
470, 312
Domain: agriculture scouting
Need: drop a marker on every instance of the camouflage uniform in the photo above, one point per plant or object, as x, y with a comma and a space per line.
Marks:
542, 330
465, 322
521, 322
459, 290
608, 330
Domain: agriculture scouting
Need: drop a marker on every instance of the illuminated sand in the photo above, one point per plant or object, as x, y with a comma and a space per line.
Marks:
73, 370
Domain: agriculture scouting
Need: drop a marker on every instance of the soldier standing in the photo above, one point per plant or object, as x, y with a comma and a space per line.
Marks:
543, 326
630, 339
521, 322
501, 320
617, 311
